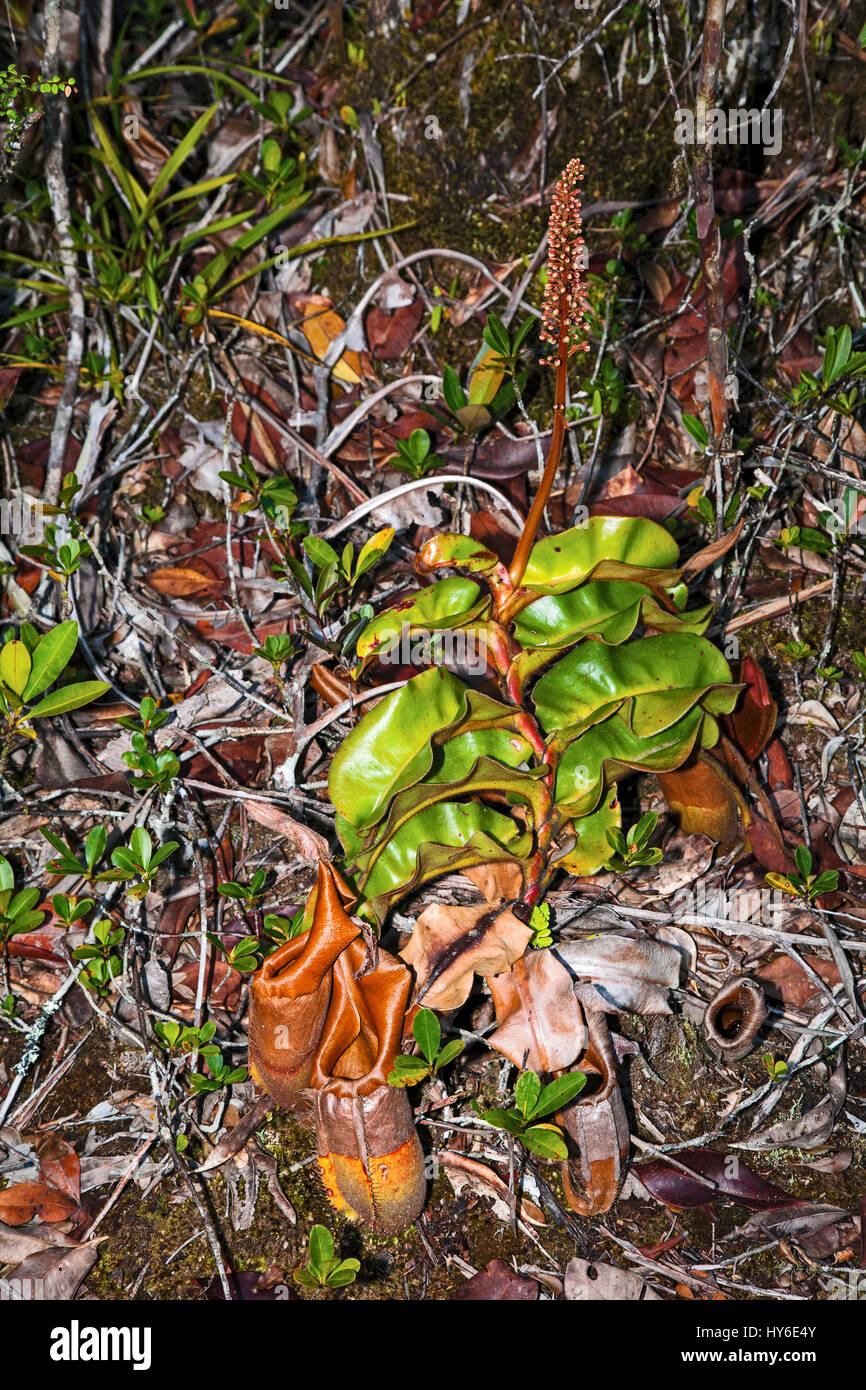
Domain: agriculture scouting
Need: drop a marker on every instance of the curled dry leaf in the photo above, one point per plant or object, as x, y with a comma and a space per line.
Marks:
59, 1272
833, 1163
466, 1172
311, 846
500, 882
702, 559
16, 1243
450, 945
587, 1282
541, 1025
235, 1138
624, 971
819, 1228
734, 1016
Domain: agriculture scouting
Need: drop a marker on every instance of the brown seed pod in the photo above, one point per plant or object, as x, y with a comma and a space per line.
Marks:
734, 1016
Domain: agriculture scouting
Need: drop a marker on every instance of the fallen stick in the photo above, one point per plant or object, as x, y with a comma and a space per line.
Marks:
774, 607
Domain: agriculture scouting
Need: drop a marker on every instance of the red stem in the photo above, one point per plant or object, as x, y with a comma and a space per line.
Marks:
533, 521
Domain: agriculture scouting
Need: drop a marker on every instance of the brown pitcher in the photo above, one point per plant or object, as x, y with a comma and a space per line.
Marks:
371, 1160
596, 1126
291, 993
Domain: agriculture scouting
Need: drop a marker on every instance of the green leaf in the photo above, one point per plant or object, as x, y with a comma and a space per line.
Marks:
175, 160
390, 748
408, 1076
343, 1274
608, 609
321, 1247
546, 1141
141, 845
15, 666
609, 750
827, 882
563, 561
526, 1093
486, 777
697, 429
70, 697
320, 552
374, 549
444, 839
803, 860
455, 396
662, 678
445, 604
51, 655
451, 1050
557, 1094
7, 876
504, 1119
123, 859
23, 901
428, 1034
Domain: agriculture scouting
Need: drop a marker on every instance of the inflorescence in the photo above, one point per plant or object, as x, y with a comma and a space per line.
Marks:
565, 294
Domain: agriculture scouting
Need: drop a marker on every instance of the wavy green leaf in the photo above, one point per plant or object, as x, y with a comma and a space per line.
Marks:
485, 777
442, 839
610, 749
391, 748
562, 562
457, 755
591, 850
604, 608
445, 604
662, 678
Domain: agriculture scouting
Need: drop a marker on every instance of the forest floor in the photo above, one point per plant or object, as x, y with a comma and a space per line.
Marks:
241, 189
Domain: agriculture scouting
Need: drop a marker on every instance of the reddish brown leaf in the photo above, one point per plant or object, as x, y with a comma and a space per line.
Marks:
541, 1024
59, 1165
182, 581
780, 772
309, 844
497, 1283
24, 1200
752, 722
389, 335
784, 981
726, 1178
